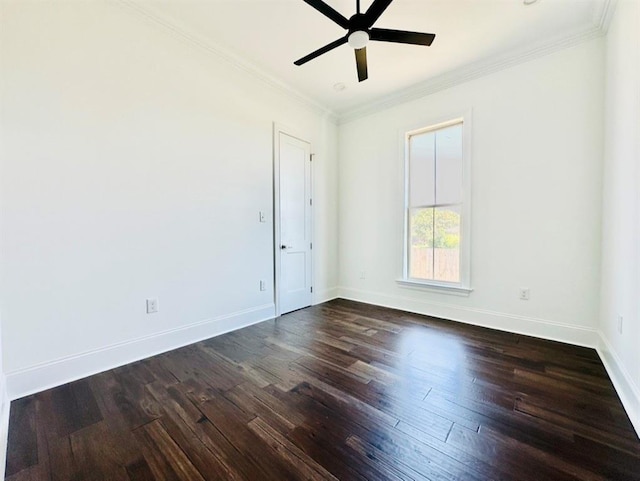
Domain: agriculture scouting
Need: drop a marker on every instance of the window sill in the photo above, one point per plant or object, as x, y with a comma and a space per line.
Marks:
454, 290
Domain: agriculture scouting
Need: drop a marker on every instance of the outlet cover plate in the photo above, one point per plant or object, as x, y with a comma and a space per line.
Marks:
152, 306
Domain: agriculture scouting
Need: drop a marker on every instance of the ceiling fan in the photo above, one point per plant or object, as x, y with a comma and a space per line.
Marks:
360, 30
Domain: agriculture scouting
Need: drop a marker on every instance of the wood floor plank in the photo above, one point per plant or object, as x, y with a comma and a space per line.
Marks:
98, 451
339, 391
547, 458
511, 466
250, 404
384, 438
233, 423
140, 471
395, 463
22, 436
182, 414
210, 466
59, 463
297, 459
164, 457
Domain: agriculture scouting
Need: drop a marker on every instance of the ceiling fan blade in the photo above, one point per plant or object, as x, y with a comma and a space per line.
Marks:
401, 36
320, 51
329, 12
361, 63
376, 9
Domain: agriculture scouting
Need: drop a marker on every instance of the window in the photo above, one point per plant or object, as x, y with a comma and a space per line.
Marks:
436, 206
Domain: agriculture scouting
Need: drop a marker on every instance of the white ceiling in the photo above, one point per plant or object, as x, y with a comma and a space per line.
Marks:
268, 35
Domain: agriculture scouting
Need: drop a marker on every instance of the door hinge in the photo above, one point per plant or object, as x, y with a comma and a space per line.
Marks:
311, 245
312, 289
311, 202
311, 157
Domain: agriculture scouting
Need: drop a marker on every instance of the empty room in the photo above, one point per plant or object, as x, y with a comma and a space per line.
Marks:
319, 240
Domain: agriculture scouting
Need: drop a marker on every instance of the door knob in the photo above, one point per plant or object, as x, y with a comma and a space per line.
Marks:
283, 247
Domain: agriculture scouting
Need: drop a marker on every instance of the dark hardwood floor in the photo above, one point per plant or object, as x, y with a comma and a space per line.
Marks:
342, 391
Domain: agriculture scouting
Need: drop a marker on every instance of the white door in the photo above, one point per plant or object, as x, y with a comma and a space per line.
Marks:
294, 288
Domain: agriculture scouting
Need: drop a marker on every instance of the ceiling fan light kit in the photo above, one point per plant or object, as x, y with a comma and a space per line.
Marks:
360, 30
358, 39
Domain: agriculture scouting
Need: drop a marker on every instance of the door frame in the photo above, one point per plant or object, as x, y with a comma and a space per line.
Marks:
277, 130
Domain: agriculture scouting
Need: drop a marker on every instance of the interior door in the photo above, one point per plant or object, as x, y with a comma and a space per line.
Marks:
294, 286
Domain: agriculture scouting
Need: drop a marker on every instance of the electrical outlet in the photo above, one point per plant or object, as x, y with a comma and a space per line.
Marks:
152, 306
620, 321
524, 293
263, 286
363, 275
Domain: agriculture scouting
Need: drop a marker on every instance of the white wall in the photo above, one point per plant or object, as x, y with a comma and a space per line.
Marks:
134, 165
536, 201
621, 207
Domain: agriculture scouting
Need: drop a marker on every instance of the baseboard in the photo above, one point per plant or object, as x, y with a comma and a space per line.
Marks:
529, 326
4, 424
628, 391
326, 295
61, 371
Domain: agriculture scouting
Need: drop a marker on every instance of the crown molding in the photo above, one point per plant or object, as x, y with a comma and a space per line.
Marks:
605, 15
467, 73
222, 53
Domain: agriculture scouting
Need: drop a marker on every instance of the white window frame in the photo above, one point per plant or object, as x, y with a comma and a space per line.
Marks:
463, 287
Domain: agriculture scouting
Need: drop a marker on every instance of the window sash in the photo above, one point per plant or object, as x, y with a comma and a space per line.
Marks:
461, 287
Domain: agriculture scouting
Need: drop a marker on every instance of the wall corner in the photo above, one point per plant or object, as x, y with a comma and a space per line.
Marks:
626, 388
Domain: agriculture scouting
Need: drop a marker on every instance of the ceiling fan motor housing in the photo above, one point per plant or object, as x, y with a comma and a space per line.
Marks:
358, 23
